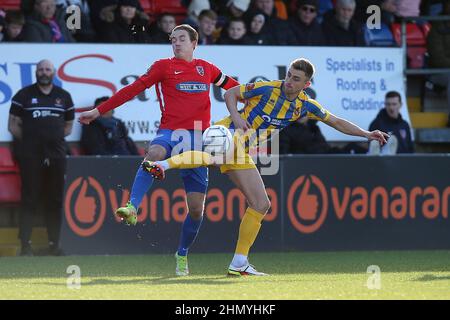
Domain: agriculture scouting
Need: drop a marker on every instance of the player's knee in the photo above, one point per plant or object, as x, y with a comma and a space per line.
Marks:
196, 212
262, 205
155, 153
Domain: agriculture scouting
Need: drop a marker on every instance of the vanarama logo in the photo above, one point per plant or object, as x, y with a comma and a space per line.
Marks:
87, 203
309, 201
85, 206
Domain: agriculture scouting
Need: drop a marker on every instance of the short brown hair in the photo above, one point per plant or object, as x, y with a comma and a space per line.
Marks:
193, 35
15, 17
304, 65
208, 14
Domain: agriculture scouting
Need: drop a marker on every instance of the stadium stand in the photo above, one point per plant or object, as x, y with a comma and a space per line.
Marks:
10, 4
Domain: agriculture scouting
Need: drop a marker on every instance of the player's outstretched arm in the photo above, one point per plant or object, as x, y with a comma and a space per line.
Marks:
352, 129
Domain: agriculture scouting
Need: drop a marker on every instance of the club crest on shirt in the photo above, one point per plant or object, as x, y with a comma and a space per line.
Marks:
34, 100
200, 70
58, 102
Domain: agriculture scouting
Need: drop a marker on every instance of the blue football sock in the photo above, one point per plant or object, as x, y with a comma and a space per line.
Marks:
188, 234
142, 182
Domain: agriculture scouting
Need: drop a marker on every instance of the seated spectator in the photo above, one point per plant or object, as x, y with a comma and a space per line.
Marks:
339, 27
106, 135
388, 12
164, 26
256, 34
304, 136
207, 27
235, 33
272, 7
47, 24
127, 26
390, 120
193, 11
438, 43
305, 26
14, 22
86, 32
279, 29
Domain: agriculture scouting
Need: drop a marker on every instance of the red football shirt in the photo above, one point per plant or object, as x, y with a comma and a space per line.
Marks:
182, 88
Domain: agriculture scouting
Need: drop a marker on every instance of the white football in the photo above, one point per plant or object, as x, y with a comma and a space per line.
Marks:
217, 140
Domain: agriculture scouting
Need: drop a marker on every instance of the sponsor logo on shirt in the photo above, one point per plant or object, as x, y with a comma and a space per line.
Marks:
44, 114
274, 122
192, 87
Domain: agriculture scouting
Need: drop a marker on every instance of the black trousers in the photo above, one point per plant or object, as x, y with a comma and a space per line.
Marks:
42, 188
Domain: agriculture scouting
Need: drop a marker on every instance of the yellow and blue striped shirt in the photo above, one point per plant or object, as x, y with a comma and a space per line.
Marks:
267, 108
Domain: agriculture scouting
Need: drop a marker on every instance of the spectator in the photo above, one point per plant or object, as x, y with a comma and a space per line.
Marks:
47, 24
256, 34
128, 26
279, 29
207, 27
304, 136
235, 33
164, 26
272, 7
194, 9
86, 32
41, 115
237, 8
14, 26
305, 26
107, 135
388, 12
340, 29
438, 43
390, 120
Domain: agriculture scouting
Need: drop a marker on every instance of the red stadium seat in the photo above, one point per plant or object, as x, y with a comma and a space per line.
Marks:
416, 43
414, 34
10, 4
7, 162
10, 185
416, 57
155, 7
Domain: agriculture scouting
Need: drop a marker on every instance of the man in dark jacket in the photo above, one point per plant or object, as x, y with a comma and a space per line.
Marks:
438, 43
390, 120
47, 24
340, 28
305, 26
107, 135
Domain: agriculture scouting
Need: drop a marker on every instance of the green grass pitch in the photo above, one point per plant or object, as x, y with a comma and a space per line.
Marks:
326, 275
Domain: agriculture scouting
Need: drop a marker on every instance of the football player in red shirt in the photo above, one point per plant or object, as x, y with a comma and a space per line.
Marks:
182, 86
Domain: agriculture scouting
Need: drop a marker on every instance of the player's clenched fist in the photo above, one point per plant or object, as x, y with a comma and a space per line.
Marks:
87, 117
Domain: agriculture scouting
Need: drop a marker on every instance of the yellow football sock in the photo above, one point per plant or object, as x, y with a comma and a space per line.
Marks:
248, 230
189, 160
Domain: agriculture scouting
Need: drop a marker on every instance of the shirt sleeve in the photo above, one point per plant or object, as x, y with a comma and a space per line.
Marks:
251, 90
315, 111
69, 114
153, 75
17, 104
220, 79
